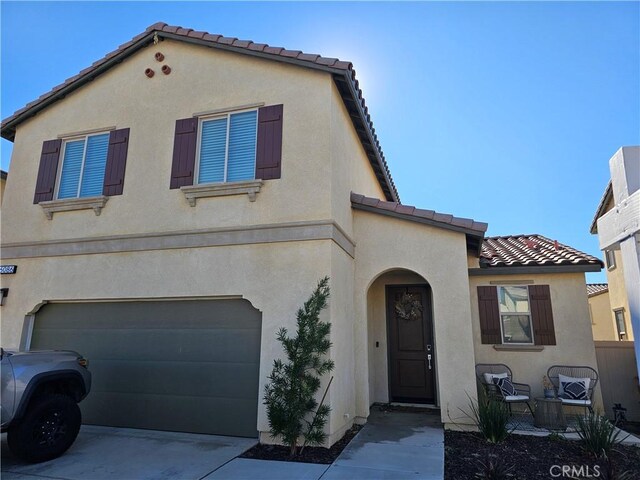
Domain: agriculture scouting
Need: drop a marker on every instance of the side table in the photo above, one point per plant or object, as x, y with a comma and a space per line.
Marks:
549, 414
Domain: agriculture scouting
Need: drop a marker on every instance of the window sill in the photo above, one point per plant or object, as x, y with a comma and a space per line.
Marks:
68, 204
518, 348
193, 192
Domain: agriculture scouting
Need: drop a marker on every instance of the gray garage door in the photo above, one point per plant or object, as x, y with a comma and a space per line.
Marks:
188, 366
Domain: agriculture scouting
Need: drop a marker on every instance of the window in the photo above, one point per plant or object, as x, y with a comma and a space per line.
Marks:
611, 259
227, 148
83, 165
515, 315
620, 324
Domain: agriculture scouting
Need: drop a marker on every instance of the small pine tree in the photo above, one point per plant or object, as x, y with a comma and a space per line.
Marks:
292, 409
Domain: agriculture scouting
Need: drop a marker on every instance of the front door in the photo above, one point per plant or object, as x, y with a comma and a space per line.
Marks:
411, 348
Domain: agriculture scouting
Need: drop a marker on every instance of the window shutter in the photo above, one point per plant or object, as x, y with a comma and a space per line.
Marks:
489, 315
184, 152
269, 148
542, 315
116, 162
46, 181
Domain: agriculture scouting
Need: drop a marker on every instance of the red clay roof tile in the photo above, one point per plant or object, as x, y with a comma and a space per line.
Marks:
519, 250
596, 288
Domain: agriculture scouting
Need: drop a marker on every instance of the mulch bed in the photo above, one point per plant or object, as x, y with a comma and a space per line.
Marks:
530, 457
309, 455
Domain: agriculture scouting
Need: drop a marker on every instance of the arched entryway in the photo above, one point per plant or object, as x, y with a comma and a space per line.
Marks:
402, 361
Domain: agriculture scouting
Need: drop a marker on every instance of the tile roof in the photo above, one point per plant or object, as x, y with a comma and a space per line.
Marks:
596, 288
407, 212
606, 198
531, 250
344, 76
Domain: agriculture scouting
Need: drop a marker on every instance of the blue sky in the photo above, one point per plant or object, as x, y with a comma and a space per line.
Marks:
503, 112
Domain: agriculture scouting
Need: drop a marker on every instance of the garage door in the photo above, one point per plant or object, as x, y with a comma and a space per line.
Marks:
188, 366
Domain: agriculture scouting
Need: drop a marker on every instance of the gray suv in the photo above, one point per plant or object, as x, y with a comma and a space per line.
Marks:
40, 396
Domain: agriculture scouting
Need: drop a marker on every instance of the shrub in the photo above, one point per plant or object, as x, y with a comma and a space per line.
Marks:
597, 433
493, 469
292, 409
491, 416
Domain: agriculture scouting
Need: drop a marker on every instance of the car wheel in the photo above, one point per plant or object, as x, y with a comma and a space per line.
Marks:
48, 429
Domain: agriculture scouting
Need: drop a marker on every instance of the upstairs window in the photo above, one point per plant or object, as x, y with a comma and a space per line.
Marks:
620, 324
83, 166
611, 259
515, 315
227, 148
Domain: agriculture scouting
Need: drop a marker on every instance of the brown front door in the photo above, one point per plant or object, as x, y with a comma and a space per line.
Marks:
411, 348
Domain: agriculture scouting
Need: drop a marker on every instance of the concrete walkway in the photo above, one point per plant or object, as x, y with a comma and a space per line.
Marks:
392, 445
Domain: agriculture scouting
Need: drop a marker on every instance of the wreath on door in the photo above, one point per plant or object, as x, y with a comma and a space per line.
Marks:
409, 307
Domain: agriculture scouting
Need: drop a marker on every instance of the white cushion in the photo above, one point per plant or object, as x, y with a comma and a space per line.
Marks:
564, 379
570, 401
488, 377
516, 398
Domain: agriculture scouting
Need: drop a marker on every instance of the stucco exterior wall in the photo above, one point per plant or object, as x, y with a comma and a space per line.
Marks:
350, 167
574, 338
439, 257
202, 79
276, 278
602, 321
618, 293
618, 297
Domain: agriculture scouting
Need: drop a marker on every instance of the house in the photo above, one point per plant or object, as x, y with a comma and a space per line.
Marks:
189, 190
606, 327
3, 181
616, 224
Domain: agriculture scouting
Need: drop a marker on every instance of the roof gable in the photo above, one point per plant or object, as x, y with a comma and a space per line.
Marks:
343, 74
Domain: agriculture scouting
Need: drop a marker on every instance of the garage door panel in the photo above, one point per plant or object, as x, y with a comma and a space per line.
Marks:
189, 366
217, 345
173, 413
233, 380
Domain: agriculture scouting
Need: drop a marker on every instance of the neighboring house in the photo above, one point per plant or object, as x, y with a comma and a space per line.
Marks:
616, 224
603, 319
3, 181
189, 190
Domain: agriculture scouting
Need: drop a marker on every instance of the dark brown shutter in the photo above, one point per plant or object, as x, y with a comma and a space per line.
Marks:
116, 162
542, 315
269, 148
47, 171
184, 152
489, 315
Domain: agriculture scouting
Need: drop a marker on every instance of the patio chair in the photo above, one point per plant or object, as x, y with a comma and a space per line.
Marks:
576, 373
484, 373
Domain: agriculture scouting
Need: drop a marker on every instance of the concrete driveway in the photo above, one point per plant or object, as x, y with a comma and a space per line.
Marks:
126, 454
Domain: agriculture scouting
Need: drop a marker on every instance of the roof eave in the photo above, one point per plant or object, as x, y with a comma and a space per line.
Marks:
600, 211
519, 270
472, 235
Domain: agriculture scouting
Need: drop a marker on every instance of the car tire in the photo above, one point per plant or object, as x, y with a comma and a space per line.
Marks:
49, 427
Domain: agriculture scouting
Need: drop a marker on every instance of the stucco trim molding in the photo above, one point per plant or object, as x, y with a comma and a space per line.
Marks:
68, 204
193, 192
270, 233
